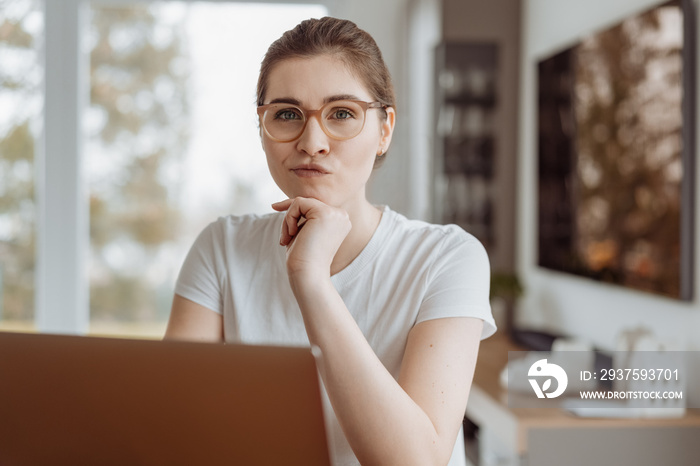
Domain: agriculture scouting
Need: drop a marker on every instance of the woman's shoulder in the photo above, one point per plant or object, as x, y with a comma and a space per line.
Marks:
448, 235
250, 226
245, 221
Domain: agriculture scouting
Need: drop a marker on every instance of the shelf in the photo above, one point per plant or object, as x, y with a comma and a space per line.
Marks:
465, 141
472, 100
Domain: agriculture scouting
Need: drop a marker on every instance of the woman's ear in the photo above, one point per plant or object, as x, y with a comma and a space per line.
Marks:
387, 129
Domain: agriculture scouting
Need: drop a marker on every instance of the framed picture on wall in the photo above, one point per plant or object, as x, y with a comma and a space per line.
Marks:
616, 151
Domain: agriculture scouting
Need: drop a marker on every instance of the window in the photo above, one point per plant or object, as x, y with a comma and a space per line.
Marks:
135, 125
21, 100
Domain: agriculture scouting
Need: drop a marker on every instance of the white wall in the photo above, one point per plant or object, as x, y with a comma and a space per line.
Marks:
386, 22
423, 34
555, 301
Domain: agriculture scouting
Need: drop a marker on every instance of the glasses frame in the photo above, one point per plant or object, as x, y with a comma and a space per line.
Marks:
308, 114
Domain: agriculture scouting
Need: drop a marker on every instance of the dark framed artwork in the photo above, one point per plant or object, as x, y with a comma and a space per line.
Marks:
616, 153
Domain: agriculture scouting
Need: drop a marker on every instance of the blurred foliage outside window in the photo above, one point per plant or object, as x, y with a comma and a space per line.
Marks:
21, 100
137, 131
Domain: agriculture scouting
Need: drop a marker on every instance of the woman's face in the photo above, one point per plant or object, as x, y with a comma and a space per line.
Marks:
316, 165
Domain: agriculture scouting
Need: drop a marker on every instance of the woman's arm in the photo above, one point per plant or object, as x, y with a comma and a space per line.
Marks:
191, 321
412, 421
437, 371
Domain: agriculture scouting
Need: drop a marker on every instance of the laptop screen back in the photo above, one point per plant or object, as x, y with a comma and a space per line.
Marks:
84, 400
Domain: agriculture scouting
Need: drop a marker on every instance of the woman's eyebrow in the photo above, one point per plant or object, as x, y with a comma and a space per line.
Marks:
285, 100
334, 98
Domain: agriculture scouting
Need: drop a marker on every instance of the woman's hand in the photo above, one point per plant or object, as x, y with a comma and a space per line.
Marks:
313, 232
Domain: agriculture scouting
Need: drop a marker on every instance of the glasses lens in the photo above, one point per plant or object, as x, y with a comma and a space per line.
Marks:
343, 119
284, 122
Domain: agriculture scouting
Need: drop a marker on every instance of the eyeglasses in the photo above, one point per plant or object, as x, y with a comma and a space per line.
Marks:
340, 119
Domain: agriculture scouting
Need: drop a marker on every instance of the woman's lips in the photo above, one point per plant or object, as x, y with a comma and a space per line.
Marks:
309, 171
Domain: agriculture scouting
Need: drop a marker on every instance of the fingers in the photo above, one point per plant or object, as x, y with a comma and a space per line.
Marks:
282, 205
296, 204
291, 220
325, 228
285, 237
294, 219
301, 209
296, 208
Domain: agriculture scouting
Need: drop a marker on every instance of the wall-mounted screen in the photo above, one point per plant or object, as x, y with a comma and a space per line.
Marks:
616, 153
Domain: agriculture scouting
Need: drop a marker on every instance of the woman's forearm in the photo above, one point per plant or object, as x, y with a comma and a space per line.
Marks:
382, 423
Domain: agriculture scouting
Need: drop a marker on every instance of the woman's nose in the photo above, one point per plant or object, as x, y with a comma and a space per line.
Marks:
313, 139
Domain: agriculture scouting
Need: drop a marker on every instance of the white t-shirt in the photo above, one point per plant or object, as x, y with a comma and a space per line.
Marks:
409, 272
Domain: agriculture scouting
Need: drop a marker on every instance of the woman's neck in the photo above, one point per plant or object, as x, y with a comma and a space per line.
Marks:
365, 219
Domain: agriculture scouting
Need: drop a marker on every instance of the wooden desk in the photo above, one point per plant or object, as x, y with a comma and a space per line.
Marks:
543, 437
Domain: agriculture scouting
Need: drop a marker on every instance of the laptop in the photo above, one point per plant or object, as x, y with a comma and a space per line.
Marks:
85, 400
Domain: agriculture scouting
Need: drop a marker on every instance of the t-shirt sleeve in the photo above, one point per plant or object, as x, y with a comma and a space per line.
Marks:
458, 284
203, 273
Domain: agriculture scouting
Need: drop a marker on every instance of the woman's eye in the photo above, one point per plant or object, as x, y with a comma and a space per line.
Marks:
342, 114
287, 114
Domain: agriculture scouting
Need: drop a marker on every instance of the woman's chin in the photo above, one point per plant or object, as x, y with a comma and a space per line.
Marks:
326, 198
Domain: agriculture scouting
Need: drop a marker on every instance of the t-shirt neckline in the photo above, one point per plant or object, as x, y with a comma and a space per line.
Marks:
367, 254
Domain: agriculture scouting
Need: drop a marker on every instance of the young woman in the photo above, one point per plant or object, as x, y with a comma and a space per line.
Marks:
395, 307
